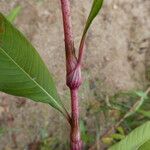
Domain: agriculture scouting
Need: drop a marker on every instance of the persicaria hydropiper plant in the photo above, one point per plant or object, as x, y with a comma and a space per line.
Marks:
23, 72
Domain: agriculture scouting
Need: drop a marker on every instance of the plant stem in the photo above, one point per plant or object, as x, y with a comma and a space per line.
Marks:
73, 76
81, 50
68, 32
76, 143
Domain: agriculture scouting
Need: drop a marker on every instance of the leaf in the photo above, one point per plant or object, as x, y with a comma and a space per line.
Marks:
145, 146
13, 14
97, 4
144, 113
22, 71
120, 130
87, 138
107, 140
141, 94
117, 136
135, 139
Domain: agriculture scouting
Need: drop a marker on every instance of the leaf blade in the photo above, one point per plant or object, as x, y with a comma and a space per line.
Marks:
97, 4
135, 139
23, 72
14, 13
145, 146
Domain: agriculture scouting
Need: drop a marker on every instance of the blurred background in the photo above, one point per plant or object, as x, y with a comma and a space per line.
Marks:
116, 73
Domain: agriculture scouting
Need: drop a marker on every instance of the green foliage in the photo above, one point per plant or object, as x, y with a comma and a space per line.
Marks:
135, 139
48, 143
141, 94
120, 130
117, 136
134, 101
107, 140
97, 4
13, 14
145, 113
145, 146
2, 131
23, 72
87, 138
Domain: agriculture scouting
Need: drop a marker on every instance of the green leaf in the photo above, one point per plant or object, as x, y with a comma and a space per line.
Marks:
135, 139
13, 14
145, 146
87, 138
117, 136
97, 4
120, 130
144, 113
22, 71
141, 94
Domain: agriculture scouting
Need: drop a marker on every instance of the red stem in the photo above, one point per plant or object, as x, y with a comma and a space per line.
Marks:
81, 50
73, 76
68, 32
76, 143
74, 106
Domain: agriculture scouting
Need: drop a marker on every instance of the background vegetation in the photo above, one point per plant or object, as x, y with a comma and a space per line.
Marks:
116, 75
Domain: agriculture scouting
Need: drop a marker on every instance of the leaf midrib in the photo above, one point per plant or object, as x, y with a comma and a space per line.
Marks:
59, 107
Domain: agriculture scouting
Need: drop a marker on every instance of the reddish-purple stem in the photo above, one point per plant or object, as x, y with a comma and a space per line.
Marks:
73, 76
76, 143
81, 50
68, 33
